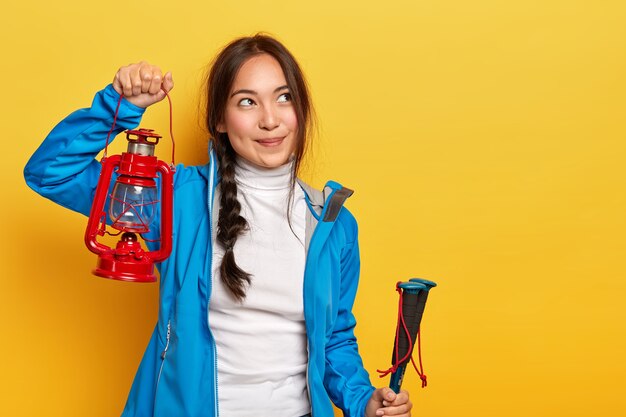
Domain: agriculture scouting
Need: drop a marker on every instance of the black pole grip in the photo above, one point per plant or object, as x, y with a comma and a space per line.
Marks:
413, 304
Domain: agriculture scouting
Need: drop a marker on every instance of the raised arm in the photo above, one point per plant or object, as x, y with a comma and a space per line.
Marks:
64, 168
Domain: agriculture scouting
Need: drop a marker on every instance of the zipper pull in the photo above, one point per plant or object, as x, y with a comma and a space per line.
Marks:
167, 342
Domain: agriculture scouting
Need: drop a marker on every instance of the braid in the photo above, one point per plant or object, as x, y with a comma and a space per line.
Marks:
230, 223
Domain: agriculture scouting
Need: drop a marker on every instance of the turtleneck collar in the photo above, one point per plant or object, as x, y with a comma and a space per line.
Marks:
250, 175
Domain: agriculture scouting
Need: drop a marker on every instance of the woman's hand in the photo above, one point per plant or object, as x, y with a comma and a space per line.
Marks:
141, 83
385, 402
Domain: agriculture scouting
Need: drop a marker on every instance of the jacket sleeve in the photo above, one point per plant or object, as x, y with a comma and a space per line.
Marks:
346, 380
63, 168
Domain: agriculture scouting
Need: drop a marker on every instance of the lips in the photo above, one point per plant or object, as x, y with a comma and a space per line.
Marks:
270, 141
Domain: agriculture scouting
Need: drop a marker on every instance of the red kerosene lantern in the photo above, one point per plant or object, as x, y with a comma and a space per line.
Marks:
132, 207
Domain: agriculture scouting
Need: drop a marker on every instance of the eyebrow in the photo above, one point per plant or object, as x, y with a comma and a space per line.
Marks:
245, 91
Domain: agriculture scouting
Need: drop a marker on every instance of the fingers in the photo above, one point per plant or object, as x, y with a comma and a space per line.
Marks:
394, 404
403, 410
141, 83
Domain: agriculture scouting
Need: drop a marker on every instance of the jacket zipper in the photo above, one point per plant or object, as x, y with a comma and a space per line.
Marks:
210, 204
306, 329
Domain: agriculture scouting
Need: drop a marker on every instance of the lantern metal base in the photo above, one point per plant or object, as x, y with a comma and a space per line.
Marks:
130, 271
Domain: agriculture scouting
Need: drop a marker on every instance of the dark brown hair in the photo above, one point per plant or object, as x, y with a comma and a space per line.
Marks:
218, 85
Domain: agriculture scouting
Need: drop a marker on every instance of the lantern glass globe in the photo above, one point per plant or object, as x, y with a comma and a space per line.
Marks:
132, 207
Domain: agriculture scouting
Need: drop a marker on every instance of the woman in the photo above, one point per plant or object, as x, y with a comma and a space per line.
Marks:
255, 306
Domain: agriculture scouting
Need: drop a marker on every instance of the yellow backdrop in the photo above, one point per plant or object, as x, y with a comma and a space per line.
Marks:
485, 142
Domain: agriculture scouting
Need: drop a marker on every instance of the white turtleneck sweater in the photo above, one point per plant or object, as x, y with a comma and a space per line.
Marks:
261, 342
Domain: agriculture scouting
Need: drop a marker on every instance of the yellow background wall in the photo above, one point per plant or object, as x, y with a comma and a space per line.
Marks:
486, 142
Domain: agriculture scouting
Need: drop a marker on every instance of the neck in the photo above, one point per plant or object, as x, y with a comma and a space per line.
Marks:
251, 175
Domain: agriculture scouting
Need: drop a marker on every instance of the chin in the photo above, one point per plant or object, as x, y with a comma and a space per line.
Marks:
273, 161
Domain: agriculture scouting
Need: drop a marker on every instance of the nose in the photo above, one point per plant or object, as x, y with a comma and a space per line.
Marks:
269, 119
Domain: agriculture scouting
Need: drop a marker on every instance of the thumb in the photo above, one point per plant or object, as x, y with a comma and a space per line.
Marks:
384, 394
166, 87
168, 82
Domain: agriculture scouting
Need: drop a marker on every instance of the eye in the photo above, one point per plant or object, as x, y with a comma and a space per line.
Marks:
283, 98
245, 102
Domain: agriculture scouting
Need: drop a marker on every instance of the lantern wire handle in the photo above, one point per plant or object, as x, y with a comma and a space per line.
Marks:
117, 109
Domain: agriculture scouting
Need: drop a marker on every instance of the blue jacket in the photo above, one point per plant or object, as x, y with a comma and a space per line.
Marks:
178, 373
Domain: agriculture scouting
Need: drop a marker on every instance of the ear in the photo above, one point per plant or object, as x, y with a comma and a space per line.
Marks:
221, 128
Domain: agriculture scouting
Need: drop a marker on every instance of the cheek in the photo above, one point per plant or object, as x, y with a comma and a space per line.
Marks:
291, 120
238, 125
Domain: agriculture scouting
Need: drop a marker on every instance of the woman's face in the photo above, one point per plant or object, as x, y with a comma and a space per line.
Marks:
260, 118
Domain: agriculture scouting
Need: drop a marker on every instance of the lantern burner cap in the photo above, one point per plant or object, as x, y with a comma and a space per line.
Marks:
142, 141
